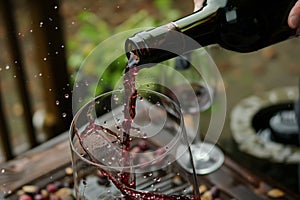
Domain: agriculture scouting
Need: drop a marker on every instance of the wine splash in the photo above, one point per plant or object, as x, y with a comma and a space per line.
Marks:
123, 180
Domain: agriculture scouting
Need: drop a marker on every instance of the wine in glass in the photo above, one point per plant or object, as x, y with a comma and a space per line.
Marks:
113, 159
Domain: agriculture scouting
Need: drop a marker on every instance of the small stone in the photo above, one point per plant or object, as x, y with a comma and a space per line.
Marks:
63, 193
38, 197
206, 196
202, 188
45, 193
25, 197
20, 192
275, 193
30, 189
135, 149
51, 188
69, 171
177, 180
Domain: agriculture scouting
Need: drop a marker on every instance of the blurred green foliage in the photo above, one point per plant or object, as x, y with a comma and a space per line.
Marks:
93, 30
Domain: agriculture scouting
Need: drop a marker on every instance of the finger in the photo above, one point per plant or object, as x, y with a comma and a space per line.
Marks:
198, 4
294, 16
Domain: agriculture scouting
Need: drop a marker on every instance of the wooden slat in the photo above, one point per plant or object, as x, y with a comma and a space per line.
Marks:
4, 134
37, 162
18, 67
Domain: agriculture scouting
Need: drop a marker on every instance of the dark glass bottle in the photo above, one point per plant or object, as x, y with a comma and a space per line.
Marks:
237, 25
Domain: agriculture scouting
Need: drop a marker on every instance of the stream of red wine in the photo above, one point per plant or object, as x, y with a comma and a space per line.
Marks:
124, 180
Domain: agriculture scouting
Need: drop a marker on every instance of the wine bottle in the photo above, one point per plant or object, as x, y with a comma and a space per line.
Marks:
237, 25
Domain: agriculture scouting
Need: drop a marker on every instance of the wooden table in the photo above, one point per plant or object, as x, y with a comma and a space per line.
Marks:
47, 162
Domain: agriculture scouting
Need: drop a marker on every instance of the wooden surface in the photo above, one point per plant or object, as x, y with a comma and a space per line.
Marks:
44, 162
35, 163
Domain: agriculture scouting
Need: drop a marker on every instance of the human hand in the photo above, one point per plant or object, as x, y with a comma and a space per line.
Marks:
198, 4
294, 16
293, 19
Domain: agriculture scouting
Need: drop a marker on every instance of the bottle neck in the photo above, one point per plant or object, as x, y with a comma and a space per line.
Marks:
175, 38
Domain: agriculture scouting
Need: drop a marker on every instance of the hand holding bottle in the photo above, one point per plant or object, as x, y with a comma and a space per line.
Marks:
294, 17
237, 25
293, 20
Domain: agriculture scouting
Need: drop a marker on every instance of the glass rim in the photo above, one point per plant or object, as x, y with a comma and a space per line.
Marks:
174, 140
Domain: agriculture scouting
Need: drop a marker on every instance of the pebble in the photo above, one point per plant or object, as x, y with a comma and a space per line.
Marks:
275, 193
177, 180
25, 197
51, 188
202, 188
38, 197
64, 193
62, 190
207, 196
69, 171
45, 193
20, 192
30, 189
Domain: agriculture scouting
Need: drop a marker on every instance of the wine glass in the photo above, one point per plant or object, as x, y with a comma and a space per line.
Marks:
198, 88
207, 156
140, 163
206, 86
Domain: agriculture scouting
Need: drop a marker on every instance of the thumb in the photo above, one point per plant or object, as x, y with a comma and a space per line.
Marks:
198, 4
294, 16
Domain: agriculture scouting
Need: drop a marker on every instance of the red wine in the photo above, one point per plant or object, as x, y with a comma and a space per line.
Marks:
123, 181
129, 112
238, 25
